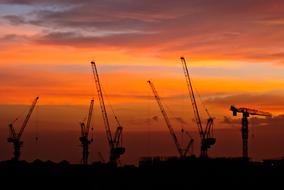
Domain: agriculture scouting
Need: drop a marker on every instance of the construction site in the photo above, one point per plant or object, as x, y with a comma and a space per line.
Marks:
187, 169
141, 94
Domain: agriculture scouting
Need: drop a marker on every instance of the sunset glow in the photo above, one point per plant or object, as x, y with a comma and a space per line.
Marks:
234, 49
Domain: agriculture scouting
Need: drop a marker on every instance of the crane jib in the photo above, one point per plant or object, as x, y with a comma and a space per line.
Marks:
87, 128
192, 96
166, 118
205, 135
115, 143
102, 104
27, 118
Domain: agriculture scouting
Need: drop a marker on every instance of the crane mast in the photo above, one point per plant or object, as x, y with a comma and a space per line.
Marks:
15, 138
246, 112
181, 152
84, 139
205, 134
114, 143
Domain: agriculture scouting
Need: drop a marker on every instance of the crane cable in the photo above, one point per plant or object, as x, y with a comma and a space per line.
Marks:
109, 104
202, 103
106, 98
204, 106
37, 130
19, 116
36, 124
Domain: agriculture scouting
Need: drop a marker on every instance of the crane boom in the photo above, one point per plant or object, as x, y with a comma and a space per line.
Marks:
189, 145
27, 118
115, 143
166, 118
89, 117
250, 111
102, 104
13, 133
205, 134
192, 96
15, 138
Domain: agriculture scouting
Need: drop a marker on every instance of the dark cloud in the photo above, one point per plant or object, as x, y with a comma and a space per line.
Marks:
77, 39
145, 121
276, 121
13, 39
270, 122
270, 101
32, 2
155, 118
14, 19
180, 120
228, 120
223, 29
265, 56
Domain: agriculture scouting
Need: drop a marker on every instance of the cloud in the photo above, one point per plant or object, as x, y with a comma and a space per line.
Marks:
155, 118
14, 19
272, 21
269, 122
225, 30
267, 101
32, 2
11, 38
228, 120
77, 39
180, 120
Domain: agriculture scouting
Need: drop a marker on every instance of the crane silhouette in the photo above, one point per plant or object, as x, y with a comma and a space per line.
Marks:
246, 113
182, 152
15, 138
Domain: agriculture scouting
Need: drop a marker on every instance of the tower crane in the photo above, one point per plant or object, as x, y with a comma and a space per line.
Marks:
15, 138
206, 135
182, 152
84, 138
115, 143
246, 113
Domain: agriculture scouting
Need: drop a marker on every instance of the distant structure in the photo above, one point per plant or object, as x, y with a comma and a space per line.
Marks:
14, 137
115, 142
206, 135
246, 113
182, 152
84, 138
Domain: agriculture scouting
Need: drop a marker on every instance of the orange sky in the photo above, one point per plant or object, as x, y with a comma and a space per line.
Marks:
234, 51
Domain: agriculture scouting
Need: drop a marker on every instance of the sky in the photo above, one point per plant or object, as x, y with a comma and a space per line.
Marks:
234, 50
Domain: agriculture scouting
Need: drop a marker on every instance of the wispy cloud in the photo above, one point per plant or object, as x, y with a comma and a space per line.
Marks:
226, 30
268, 101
